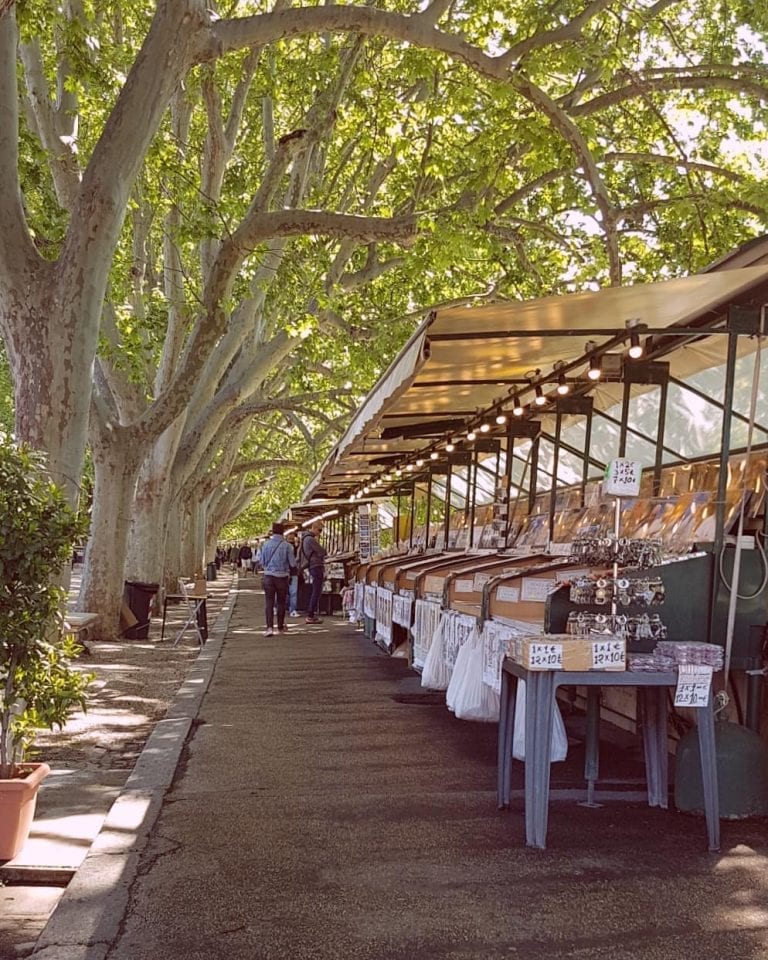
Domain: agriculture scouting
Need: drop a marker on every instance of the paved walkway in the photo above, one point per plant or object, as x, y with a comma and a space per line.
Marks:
325, 809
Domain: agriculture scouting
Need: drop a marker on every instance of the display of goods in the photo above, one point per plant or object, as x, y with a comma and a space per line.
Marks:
625, 591
605, 550
650, 663
645, 626
683, 651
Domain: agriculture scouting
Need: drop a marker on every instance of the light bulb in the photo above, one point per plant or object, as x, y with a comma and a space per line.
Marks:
635, 347
409, 466
471, 436
485, 427
420, 462
517, 407
434, 455
539, 399
398, 472
450, 447
501, 418
594, 372
562, 385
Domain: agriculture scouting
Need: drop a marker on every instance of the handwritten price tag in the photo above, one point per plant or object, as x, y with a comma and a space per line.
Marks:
694, 682
607, 653
545, 656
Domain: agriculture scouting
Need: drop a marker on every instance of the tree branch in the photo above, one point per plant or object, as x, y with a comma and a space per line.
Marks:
563, 34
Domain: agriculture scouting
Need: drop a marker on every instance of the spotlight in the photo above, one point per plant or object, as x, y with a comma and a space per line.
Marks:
539, 399
517, 407
409, 466
501, 418
594, 372
450, 447
635, 347
420, 462
398, 472
366, 490
562, 385
485, 427
434, 455
471, 436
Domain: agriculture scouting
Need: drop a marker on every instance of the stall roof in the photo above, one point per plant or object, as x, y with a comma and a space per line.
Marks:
465, 359
301, 512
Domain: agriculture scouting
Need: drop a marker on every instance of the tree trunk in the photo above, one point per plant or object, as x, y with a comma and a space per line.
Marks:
116, 466
172, 567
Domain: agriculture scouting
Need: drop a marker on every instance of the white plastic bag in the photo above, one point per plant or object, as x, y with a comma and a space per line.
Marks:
435, 674
459, 673
473, 699
559, 749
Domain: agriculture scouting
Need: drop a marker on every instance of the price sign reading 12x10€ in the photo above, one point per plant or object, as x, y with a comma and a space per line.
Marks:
622, 478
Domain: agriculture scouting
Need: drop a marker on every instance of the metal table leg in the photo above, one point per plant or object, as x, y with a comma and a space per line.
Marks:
706, 730
501, 753
539, 701
653, 715
592, 745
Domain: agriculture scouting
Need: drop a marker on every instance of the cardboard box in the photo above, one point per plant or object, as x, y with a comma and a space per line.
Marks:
564, 652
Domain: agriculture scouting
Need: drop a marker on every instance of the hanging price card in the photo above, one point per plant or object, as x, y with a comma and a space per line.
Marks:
694, 682
622, 478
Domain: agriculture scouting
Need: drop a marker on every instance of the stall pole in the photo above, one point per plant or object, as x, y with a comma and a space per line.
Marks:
508, 465
725, 441
413, 513
472, 495
659, 460
397, 518
427, 535
626, 396
553, 492
534, 484
587, 451
447, 518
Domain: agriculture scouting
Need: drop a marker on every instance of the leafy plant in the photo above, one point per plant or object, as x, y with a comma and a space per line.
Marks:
38, 685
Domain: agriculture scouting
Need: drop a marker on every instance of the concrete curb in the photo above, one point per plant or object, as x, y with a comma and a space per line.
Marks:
90, 912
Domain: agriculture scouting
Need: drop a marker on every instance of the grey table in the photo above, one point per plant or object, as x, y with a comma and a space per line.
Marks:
541, 686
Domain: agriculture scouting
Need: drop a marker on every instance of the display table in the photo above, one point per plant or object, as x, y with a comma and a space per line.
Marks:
540, 689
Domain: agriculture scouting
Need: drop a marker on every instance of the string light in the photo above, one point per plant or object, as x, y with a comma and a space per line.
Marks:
450, 446
409, 466
485, 427
635, 347
420, 462
517, 407
501, 418
471, 436
539, 399
562, 385
594, 372
434, 455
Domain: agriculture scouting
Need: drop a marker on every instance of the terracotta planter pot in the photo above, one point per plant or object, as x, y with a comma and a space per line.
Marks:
18, 798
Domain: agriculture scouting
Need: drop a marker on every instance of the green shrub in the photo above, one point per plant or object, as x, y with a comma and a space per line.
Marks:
38, 686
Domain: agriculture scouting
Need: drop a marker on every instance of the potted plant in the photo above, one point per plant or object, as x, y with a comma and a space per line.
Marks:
38, 685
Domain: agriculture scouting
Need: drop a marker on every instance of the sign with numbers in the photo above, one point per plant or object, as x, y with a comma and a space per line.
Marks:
694, 683
622, 477
607, 653
545, 656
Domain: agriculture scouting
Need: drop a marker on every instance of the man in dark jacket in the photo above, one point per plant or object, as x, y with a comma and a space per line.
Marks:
313, 558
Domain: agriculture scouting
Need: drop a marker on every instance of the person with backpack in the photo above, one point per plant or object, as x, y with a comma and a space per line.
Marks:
293, 586
277, 560
312, 558
244, 556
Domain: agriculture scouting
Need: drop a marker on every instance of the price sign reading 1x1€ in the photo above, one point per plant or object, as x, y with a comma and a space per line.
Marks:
693, 685
607, 653
545, 656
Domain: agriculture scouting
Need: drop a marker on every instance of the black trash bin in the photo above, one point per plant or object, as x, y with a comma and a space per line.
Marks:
210, 571
138, 596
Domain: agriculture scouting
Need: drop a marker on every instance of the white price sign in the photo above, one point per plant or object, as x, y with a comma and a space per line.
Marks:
545, 656
463, 586
508, 594
537, 589
694, 683
622, 478
607, 653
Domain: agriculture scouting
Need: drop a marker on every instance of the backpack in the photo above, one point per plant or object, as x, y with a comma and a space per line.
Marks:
303, 555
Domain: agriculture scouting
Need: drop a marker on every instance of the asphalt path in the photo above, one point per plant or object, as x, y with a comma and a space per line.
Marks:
326, 809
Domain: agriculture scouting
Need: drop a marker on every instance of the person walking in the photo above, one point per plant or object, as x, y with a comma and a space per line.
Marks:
293, 585
313, 558
277, 560
244, 556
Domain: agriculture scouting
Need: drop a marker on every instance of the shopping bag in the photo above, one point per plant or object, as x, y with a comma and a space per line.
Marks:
458, 674
473, 699
435, 674
559, 749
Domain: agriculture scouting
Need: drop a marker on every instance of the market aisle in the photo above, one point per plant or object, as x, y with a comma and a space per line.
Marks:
325, 813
